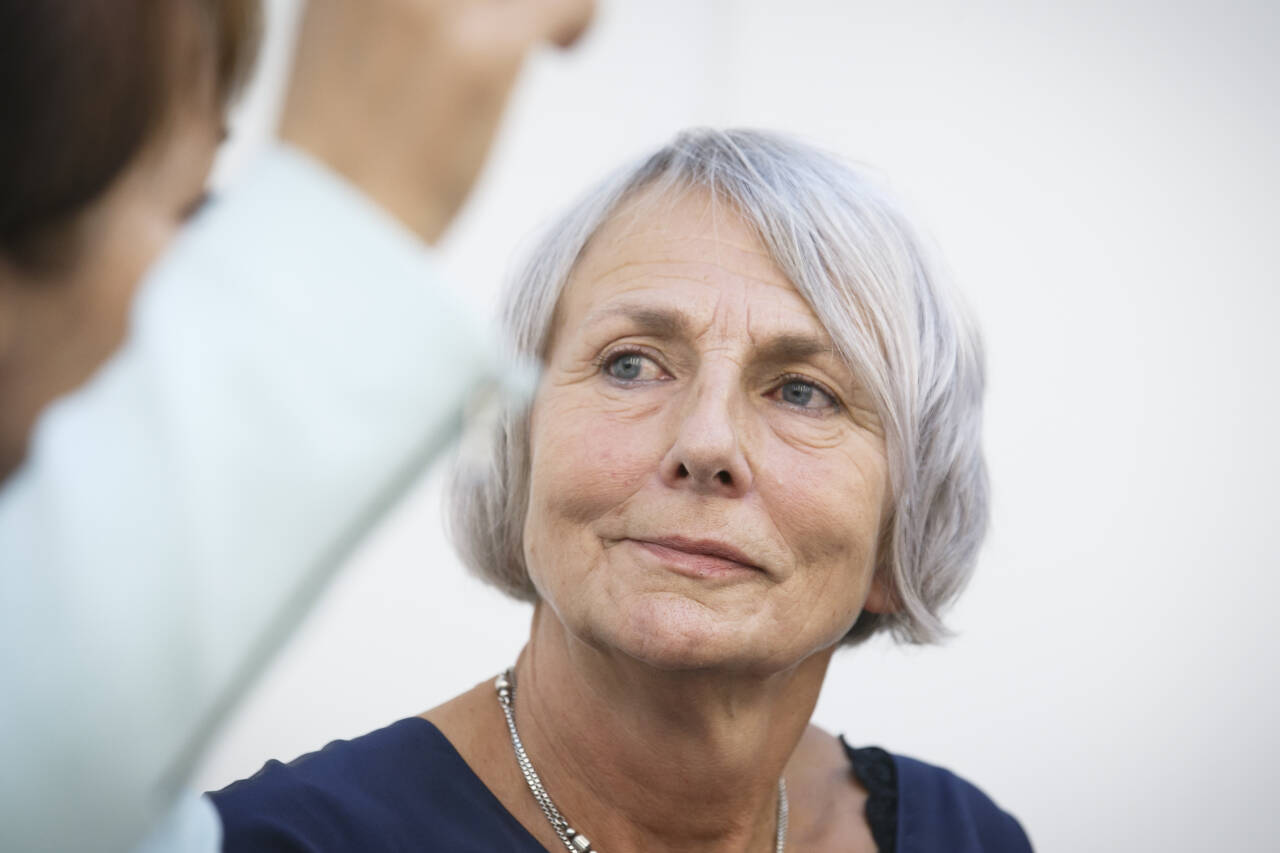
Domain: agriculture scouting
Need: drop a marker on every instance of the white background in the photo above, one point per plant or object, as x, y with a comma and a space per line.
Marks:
1103, 178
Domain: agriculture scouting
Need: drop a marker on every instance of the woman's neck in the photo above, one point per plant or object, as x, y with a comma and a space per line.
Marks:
642, 759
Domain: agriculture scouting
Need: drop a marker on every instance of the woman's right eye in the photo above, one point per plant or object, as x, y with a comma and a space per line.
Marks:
632, 367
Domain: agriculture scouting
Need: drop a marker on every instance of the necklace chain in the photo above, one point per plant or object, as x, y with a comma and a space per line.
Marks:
575, 841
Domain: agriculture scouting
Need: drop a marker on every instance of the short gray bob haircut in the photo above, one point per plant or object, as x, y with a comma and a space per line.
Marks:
871, 280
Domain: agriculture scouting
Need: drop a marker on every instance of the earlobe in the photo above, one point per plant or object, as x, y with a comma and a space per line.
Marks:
880, 598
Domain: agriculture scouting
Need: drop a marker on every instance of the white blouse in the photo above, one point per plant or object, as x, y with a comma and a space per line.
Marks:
293, 363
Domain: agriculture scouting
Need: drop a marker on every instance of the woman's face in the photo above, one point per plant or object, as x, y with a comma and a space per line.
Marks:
708, 480
56, 330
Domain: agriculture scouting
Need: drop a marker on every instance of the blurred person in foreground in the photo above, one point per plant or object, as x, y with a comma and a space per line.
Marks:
756, 439
203, 403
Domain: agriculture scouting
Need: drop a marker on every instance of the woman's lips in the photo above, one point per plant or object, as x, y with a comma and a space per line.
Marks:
698, 558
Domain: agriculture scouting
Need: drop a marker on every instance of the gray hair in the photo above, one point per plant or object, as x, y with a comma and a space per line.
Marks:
874, 284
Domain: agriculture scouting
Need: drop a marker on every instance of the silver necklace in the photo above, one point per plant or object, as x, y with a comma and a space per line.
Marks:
575, 841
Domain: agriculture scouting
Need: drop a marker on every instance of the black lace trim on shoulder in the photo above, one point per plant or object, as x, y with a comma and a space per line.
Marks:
879, 775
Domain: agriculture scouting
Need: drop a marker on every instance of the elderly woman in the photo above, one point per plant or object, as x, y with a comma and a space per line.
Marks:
755, 439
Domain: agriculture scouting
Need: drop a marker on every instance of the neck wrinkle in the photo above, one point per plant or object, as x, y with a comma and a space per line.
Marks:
638, 759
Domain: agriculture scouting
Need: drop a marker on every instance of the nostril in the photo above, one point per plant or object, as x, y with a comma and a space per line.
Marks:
724, 477
682, 471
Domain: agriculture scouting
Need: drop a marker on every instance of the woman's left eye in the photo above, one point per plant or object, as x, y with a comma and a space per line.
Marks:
631, 367
805, 395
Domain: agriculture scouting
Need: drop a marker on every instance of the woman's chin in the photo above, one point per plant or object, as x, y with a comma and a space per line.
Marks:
679, 634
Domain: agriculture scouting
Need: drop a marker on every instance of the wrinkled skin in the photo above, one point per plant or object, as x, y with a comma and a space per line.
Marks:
690, 391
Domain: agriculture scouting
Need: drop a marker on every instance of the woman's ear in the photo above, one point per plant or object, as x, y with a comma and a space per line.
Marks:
880, 598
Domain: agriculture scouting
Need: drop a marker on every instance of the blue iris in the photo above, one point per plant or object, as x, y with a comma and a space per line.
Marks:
627, 366
798, 393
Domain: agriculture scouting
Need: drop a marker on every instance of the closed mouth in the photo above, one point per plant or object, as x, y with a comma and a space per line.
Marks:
720, 551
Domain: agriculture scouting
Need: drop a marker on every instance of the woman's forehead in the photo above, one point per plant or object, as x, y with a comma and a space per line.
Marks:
689, 225
688, 252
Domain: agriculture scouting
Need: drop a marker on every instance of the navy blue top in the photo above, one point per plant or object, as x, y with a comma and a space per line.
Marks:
405, 788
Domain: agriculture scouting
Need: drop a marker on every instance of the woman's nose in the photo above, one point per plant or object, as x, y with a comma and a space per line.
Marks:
707, 453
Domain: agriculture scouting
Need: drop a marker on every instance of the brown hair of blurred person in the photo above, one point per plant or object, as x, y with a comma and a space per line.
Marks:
112, 112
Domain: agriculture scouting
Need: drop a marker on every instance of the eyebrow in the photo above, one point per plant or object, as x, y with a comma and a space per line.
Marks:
668, 323
659, 322
795, 347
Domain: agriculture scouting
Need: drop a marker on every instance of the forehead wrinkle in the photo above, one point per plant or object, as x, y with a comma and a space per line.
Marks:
688, 214
613, 277
794, 344
638, 233
783, 340
737, 256
619, 238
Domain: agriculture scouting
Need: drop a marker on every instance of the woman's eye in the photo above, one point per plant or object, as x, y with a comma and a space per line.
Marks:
805, 395
632, 367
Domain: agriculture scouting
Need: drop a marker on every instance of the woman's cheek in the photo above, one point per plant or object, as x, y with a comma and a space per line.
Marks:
585, 466
822, 506
591, 460
817, 437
